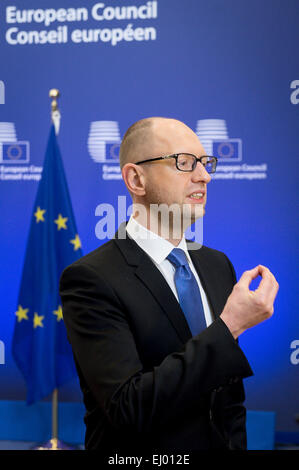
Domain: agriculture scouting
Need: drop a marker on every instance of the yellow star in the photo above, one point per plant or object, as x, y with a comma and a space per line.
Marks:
39, 214
58, 312
76, 242
61, 222
37, 320
22, 313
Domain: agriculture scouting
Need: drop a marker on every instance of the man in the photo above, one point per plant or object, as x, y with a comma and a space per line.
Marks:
153, 326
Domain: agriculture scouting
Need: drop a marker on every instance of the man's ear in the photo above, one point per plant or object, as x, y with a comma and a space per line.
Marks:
134, 179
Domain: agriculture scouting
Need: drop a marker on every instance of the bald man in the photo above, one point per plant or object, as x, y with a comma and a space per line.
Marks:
153, 322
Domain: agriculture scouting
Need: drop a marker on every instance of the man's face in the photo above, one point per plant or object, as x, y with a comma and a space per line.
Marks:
164, 183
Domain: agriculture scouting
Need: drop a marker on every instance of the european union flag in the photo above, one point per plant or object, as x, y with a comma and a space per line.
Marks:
40, 346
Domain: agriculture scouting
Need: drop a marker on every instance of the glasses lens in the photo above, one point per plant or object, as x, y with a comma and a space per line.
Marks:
185, 162
209, 163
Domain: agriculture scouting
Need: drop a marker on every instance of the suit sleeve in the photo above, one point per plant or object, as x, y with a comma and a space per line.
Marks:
104, 348
234, 410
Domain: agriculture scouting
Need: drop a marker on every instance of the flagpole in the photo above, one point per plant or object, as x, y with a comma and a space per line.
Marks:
55, 416
55, 116
54, 443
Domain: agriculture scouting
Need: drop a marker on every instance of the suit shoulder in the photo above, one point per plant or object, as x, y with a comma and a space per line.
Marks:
95, 259
210, 253
217, 259
206, 251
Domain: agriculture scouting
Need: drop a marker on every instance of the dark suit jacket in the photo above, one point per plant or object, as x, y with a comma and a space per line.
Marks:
147, 384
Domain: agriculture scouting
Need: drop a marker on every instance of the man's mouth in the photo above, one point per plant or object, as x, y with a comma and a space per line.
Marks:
197, 197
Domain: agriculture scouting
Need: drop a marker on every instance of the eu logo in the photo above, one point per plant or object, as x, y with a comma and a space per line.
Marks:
14, 152
227, 150
112, 150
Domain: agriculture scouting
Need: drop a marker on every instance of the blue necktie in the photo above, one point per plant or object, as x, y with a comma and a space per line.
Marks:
188, 291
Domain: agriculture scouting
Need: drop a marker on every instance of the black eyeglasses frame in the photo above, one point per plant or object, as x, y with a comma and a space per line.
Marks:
176, 155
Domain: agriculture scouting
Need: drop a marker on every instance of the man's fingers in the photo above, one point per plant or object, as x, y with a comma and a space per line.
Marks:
267, 290
268, 285
248, 276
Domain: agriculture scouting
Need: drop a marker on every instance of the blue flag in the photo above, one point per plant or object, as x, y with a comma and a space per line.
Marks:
40, 346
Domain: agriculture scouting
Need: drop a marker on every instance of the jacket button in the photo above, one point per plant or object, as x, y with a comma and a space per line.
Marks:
218, 389
233, 380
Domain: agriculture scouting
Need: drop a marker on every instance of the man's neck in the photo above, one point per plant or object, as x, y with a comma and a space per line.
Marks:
156, 227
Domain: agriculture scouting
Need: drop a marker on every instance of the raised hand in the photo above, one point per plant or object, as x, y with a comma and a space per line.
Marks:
245, 308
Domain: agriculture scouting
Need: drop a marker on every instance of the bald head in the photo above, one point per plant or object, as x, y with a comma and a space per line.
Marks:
135, 140
152, 137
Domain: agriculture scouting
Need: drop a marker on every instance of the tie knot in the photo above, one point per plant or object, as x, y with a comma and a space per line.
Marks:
178, 257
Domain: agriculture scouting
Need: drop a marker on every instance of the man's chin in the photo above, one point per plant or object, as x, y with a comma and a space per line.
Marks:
191, 213
194, 211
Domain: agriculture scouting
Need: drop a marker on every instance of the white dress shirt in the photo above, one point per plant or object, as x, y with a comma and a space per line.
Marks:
157, 248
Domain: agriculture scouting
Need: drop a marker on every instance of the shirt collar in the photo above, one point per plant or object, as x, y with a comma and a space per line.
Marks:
155, 246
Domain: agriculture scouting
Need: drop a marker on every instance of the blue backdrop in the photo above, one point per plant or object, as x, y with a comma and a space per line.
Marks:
228, 69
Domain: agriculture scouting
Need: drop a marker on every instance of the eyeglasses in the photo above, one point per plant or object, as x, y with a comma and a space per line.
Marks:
188, 161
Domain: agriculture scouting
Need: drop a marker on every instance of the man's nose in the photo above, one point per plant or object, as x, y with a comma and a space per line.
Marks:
200, 174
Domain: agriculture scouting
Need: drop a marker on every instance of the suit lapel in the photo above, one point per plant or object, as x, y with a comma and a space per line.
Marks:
152, 278
150, 275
